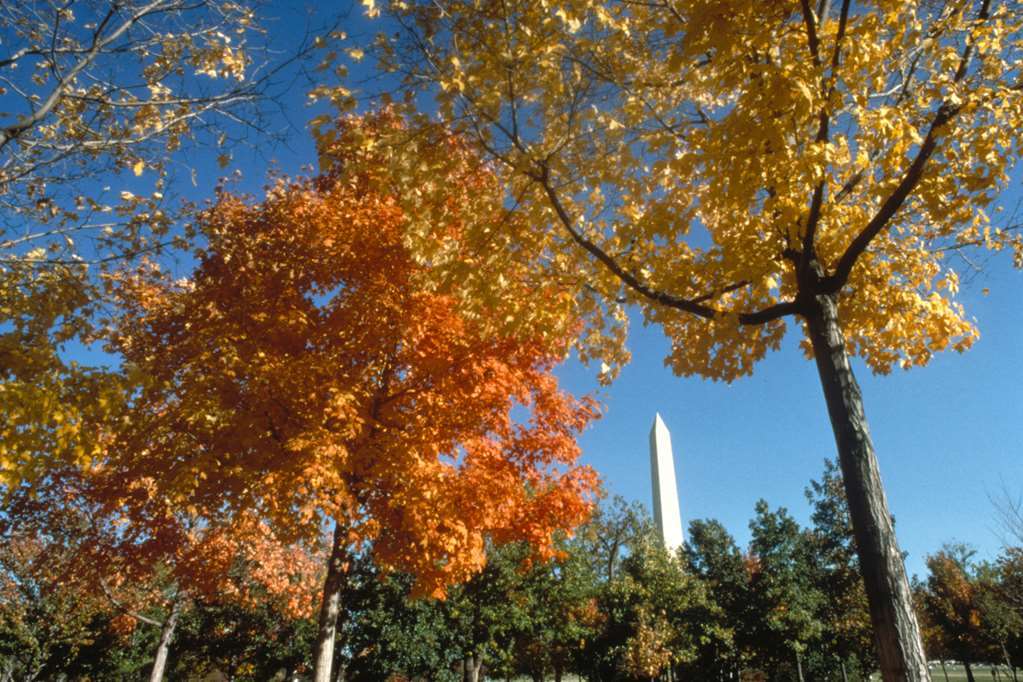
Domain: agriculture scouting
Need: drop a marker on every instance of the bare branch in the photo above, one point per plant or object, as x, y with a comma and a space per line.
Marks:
98, 43
121, 606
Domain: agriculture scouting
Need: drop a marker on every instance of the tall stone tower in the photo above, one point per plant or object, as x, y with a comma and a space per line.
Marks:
662, 477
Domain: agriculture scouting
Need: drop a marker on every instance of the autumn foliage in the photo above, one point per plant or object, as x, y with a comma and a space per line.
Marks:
313, 369
127, 548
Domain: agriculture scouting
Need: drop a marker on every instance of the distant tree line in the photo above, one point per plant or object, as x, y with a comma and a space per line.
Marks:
614, 605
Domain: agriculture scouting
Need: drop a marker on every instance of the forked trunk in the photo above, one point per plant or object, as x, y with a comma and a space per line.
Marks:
899, 647
166, 635
337, 574
473, 665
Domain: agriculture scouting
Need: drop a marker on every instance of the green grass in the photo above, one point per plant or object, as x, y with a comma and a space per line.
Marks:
956, 673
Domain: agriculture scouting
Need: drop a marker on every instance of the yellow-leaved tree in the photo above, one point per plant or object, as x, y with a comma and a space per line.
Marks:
730, 165
98, 101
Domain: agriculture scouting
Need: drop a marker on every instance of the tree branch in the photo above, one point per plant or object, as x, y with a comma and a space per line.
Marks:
693, 306
945, 113
120, 606
823, 131
811, 32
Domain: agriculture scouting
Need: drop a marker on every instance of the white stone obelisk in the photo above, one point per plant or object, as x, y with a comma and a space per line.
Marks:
662, 476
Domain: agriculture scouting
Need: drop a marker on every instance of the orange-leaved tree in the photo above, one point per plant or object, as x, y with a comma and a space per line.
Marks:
315, 371
108, 544
731, 165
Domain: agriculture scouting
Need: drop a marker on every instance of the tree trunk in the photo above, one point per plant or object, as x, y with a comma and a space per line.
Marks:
969, 672
845, 675
166, 635
799, 667
944, 669
1008, 663
474, 664
896, 632
337, 574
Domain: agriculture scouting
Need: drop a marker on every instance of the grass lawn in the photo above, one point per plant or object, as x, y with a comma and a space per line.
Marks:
956, 673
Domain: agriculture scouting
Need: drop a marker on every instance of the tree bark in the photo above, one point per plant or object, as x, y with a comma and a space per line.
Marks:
337, 575
944, 669
799, 667
896, 632
845, 675
474, 664
969, 672
166, 635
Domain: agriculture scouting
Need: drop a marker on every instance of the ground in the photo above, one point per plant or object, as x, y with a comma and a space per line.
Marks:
956, 673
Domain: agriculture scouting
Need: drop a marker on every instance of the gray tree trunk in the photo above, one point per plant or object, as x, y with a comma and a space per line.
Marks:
473, 666
845, 675
166, 635
896, 632
799, 667
337, 574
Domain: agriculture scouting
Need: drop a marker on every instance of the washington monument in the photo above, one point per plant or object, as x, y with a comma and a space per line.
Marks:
662, 477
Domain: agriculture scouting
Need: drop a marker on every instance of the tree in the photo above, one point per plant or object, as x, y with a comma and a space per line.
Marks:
713, 557
784, 599
122, 555
487, 612
728, 166
257, 638
44, 621
388, 632
934, 640
951, 601
837, 575
562, 613
614, 528
101, 101
1001, 620
411, 417
655, 615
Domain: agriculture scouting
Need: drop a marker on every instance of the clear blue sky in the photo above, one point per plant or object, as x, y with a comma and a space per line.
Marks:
948, 436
